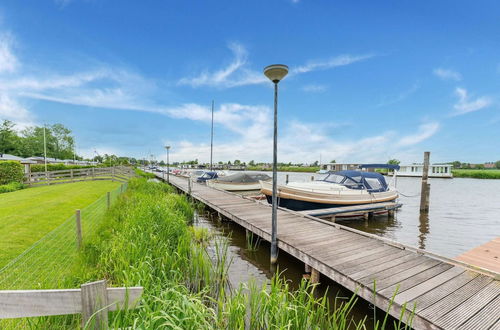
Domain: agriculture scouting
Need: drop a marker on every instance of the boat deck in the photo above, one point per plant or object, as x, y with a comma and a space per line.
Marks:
445, 294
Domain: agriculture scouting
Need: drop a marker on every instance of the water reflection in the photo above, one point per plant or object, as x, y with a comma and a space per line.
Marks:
423, 227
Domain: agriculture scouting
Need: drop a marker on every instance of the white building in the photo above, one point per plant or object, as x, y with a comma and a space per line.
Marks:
435, 170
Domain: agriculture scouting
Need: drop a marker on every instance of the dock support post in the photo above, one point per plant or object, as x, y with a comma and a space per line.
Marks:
314, 276
390, 213
365, 216
312, 177
286, 180
425, 190
332, 219
307, 269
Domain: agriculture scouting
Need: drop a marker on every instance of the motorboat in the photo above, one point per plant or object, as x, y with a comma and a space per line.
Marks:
206, 176
342, 188
239, 181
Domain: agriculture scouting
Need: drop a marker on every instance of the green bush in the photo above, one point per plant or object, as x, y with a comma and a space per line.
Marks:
11, 171
57, 167
10, 187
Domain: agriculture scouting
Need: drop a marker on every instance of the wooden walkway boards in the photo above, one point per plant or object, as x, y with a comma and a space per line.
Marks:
445, 293
484, 256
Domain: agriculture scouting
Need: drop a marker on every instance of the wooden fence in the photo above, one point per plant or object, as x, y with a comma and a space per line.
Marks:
115, 173
93, 300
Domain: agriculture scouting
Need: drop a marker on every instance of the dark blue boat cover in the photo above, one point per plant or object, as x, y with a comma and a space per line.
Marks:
372, 181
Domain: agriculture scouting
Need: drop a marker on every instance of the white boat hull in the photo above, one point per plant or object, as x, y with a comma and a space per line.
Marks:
321, 195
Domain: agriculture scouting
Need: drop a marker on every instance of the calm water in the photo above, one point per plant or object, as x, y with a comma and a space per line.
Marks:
464, 213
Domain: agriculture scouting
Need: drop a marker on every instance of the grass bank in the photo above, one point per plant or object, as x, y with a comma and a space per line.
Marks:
146, 240
312, 169
477, 174
29, 214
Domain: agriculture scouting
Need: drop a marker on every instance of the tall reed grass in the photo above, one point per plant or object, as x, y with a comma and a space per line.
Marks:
146, 241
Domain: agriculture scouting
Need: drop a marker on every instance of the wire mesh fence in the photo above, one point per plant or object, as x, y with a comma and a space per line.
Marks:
46, 264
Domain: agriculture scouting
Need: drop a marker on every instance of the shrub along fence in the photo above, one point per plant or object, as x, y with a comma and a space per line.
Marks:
11, 171
116, 173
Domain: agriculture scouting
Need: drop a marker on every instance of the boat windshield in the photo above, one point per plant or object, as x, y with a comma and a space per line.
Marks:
335, 178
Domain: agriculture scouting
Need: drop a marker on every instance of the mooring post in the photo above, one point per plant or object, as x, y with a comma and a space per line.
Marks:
425, 190
312, 177
286, 180
108, 200
78, 230
94, 305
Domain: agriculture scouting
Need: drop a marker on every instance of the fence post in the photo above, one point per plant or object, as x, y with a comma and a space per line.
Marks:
93, 174
71, 171
108, 199
189, 187
94, 302
78, 229
113, 174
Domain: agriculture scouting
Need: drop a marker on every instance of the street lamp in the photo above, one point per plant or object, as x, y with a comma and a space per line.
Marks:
275, 73
168, 165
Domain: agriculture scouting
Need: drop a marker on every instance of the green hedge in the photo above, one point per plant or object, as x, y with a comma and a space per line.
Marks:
10, 187
57, 167
11, 171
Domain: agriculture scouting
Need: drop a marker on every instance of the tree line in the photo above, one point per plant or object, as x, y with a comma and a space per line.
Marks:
30, 141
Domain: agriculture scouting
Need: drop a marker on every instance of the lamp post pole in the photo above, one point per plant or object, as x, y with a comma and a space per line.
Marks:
212, 138
168, 164
275, 73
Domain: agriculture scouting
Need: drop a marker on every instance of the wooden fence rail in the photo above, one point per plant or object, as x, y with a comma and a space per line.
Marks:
117, 173
93, 300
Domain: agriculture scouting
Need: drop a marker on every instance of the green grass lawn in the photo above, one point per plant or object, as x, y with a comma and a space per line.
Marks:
478, 174
29, 214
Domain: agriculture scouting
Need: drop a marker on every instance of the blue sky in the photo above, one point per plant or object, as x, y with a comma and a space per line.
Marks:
368, 81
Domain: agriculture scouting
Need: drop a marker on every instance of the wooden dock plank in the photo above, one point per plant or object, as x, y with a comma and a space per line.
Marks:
471, 306
425, 286
440, 289
455, 298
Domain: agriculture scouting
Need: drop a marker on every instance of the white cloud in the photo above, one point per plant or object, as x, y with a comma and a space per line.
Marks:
8, 62
12, 110
333, 62
238, 73
314, 88
465, 104
425, 131
447, 74
398, 98
234, 74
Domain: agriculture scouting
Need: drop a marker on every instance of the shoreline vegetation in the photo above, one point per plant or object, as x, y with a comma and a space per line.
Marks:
147, 239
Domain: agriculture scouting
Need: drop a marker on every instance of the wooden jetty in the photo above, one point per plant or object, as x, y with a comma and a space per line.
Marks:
444, 293
484, 256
